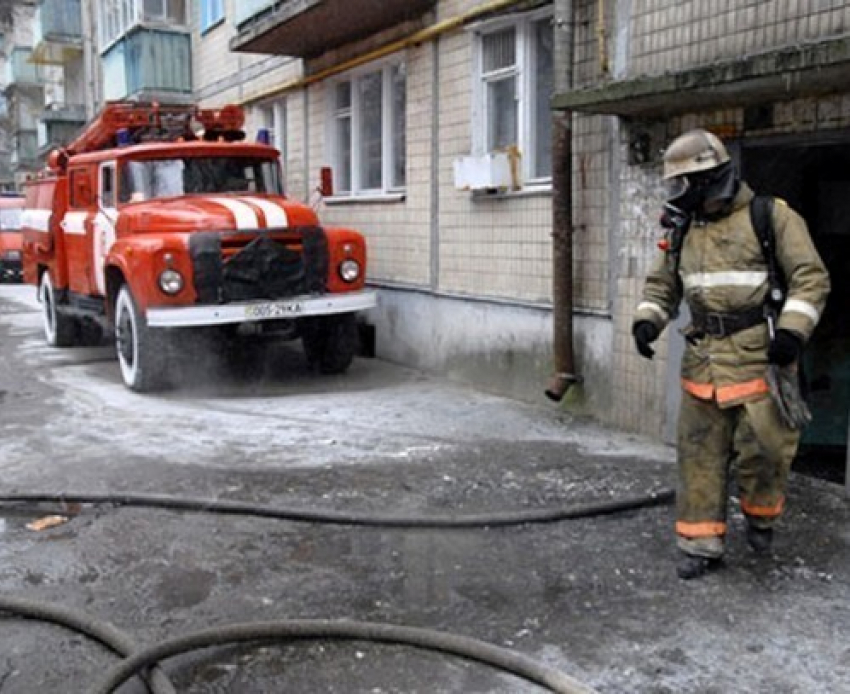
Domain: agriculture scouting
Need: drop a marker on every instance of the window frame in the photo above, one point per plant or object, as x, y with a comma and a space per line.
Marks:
215, 12
391, 147
525, 72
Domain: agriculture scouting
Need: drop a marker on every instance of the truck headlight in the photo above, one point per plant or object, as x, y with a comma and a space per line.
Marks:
170, 281
349, 270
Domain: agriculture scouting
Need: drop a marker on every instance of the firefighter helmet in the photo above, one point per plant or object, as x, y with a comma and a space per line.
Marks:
696, 150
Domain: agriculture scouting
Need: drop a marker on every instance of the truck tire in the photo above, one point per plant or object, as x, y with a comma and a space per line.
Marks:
330, 342
141, 350
60, 330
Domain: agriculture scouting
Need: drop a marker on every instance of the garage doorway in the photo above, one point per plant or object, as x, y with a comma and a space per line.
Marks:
813, 175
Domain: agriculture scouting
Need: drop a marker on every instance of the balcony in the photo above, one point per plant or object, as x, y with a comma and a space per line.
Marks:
57, 32
20, 71
308, 28
59, 125
25, 151
149, 65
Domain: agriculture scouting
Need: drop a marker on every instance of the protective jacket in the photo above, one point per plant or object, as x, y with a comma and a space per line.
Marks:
722, 272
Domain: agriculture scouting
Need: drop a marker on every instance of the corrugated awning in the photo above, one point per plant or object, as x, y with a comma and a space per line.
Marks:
795, 72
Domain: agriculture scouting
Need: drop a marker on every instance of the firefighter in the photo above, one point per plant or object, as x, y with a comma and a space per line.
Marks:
729, 418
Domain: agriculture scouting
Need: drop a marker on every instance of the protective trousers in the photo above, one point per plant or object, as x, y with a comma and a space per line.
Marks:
751, 440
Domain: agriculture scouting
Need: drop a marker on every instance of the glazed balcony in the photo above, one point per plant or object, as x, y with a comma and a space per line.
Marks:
57, 32
308, 28
19, 70
150, 65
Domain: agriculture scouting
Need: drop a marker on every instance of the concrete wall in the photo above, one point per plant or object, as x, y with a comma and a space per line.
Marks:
498, 347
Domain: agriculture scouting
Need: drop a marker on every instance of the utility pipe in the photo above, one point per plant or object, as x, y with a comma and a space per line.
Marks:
419, 37
562, 211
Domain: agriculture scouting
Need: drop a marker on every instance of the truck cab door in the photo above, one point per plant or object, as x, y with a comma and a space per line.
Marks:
103, 226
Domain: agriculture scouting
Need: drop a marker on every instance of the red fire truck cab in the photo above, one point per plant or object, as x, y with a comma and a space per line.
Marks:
152, 226
11, 207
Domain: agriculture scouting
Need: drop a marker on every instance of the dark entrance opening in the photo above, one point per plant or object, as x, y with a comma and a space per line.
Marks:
813, 176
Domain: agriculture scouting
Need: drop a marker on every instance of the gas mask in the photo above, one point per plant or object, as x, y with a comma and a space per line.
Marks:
705, 194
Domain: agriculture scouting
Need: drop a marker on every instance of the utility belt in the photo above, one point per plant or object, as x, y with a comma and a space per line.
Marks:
725, 324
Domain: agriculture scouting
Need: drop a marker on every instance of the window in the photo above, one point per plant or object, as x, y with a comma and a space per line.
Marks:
368, 131
163, 178
273, 120
212, 12
116, 17
514, 82
107, 186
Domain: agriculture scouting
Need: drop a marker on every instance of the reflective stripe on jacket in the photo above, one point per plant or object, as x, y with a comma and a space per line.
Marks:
722, 270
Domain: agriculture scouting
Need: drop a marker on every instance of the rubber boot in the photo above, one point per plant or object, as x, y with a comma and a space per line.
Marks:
691, 566
760, 540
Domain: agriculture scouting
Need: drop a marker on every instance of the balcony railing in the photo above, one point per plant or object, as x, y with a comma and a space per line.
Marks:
19, 70
56, 134
149, 63
307, 28
64, 113
57, 31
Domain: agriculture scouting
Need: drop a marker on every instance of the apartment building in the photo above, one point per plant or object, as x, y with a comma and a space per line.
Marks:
22, 98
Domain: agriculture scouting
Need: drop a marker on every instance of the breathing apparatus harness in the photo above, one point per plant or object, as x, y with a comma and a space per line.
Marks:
677, 222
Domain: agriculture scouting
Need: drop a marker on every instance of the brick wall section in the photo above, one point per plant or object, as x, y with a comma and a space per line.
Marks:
496, 247
639, 386
398, 232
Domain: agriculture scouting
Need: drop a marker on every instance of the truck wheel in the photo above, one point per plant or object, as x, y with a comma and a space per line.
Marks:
59, 330
330, 342
140, 349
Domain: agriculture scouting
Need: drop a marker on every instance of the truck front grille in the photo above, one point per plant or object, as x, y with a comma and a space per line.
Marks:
239, 266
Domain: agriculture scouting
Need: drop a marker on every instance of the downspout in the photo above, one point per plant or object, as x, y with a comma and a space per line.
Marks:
562, 211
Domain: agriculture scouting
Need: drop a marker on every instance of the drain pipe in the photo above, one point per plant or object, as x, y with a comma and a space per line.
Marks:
562, 210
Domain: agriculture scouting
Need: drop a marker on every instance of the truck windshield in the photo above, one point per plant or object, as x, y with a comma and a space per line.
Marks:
10, 219
163, 178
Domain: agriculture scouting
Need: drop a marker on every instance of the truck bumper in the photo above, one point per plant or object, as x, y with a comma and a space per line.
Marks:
254, 311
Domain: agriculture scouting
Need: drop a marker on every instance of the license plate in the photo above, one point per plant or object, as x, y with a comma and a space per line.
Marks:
278, 309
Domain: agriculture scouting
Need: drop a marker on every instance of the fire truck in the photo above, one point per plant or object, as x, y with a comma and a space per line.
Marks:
160, 220
11, 207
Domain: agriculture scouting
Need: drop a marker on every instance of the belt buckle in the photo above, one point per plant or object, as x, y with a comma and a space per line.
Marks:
714, 324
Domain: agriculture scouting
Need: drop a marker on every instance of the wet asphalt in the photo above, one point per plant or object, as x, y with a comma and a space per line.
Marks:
596, 598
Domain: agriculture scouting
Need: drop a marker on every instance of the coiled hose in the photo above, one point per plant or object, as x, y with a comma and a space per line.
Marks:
102, 632
465, 647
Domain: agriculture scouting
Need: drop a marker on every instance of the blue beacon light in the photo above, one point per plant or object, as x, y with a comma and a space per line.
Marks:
123, 137
263, 136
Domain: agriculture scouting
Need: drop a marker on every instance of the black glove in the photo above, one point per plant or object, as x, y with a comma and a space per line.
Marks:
784, 348
644, 333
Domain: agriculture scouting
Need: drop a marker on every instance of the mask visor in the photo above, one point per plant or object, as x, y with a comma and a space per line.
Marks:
676, 187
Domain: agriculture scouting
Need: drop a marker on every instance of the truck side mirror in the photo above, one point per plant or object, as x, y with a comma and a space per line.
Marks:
326, 181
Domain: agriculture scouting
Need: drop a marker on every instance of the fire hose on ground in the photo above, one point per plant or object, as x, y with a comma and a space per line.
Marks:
145, 661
